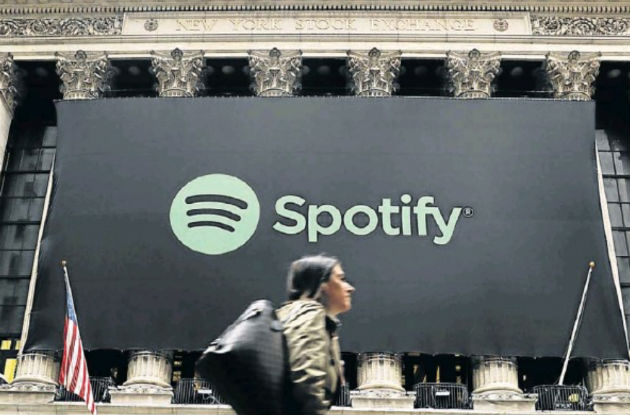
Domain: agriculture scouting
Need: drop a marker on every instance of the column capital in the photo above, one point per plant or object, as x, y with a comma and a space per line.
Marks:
8, 81
571, 76
470, 74
374, 73
84, 75
608, 382
275, 73
179, 73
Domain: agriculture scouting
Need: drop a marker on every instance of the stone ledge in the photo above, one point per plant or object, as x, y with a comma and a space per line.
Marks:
71, 408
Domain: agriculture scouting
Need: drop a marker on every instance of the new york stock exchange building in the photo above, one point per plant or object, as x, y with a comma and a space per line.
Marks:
468, 162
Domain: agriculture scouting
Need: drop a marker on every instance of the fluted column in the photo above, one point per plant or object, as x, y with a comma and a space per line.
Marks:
8, 96
608, 382
495, 386
179, 74
35, 379
379, 378
84, 75
571, 76
148, 379
373, 74
470, 74
275, 73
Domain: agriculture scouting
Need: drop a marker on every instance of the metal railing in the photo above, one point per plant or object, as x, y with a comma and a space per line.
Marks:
100, 390
343, 398
441, 396
195, 391
561, 398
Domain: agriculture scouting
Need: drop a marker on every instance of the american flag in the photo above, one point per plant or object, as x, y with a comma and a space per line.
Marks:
73, 374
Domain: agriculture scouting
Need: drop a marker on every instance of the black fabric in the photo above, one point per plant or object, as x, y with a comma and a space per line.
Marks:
248, 363
508, 281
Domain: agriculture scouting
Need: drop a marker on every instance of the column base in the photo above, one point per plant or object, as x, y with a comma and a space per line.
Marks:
611, 403
141, 395
504, 402
381, 399
27, 393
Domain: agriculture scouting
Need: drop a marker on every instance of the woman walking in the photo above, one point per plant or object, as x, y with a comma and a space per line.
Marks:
317, 291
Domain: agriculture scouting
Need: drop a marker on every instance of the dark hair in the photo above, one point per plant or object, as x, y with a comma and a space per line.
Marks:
307, 274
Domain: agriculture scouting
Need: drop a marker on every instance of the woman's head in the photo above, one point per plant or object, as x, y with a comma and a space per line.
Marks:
321, 278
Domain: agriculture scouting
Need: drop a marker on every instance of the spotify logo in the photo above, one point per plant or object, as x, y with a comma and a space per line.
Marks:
215, 214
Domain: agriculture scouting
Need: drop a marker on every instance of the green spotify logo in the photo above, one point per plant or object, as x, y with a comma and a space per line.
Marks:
215, 214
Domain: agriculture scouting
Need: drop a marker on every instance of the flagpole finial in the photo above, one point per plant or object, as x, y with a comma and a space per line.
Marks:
64, 262
591, 264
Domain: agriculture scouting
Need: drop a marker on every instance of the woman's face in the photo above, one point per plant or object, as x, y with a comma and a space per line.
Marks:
338, 292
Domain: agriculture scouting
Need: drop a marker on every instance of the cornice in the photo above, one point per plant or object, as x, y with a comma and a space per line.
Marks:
44, 7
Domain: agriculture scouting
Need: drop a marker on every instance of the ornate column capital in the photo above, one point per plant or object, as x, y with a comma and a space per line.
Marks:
8, 80
374, 73
179, 74
470, 74
571, 77
275, 73
84, 75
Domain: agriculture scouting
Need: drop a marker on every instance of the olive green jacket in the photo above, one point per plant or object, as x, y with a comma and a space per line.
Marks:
314, 357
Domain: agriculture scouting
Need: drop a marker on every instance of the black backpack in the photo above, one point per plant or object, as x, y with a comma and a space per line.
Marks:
248, 363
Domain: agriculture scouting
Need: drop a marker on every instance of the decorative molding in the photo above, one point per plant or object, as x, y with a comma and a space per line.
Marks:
178, 74
580, 26
572, 77
470, 74
275, 73
373, 73
12, 7
71, 27
8, 79
84, 75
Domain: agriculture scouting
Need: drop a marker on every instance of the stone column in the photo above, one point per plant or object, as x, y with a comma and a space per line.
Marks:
35, 379
379, 383
178, 74
608, 382
373, 74
148, 379
571, 77
470, 74
84, 75
8, 95
275, 73
495, 386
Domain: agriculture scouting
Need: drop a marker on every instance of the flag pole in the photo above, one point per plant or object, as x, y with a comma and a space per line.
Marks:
576, 324
73, 373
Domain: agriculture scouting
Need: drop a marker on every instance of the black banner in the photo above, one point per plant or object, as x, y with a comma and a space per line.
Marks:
467, 226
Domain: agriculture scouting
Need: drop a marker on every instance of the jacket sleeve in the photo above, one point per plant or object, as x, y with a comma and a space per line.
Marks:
307, 344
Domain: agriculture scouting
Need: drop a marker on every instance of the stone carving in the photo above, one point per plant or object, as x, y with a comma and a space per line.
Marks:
275, 73
374, 74
73, 26
151, 25
470, 75
500, 25
61, 6
84, 76
379, 383
8, 77
580, 26
572, 77
178, 74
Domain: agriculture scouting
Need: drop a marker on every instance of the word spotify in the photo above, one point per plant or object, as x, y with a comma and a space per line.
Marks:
385, 215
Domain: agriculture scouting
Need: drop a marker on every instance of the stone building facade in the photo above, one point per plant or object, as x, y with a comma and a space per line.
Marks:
82, 49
